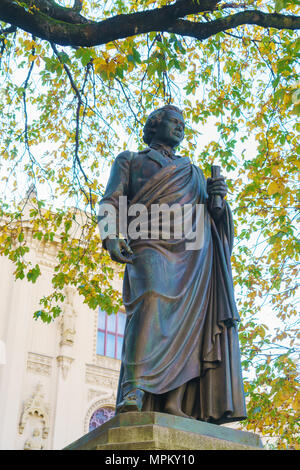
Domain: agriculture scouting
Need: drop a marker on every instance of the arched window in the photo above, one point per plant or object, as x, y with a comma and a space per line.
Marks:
100, 416
110, 334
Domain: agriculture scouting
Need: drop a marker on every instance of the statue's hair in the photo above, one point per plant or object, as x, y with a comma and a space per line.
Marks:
154, 118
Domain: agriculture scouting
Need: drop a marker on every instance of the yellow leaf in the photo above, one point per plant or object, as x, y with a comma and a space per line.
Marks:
274, 188
110, 45
296, 405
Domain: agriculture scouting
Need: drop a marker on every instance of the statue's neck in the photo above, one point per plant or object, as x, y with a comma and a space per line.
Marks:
163, 148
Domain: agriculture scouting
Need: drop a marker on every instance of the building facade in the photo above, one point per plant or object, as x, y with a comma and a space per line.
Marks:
57, 380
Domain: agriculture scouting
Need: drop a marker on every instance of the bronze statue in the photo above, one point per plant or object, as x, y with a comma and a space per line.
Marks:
181, 351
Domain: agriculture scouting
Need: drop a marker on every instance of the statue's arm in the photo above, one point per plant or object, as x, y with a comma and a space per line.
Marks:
118, 182
216, 187
117, 186
222, 217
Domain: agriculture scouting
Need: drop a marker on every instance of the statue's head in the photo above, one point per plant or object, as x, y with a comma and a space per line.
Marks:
164, 125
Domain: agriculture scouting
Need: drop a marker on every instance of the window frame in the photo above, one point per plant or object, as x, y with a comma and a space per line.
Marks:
104, 409
107, 331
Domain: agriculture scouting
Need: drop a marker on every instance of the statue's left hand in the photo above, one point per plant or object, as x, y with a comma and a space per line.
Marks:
217, 187
119, 250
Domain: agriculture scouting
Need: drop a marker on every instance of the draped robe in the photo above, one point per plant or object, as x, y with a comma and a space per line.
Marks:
181, 327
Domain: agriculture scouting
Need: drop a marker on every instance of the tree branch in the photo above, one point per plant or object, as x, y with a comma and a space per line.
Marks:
9, 30
85, 33
203, 31
51, 9
3, 33
77, 6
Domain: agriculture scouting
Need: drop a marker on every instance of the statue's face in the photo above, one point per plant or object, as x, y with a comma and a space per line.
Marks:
170, 130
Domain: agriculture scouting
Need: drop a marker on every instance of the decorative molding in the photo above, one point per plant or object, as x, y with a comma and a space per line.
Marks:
64, 363
110, 363
67, 320
39, 364
45, 258
46, 252
106, 401
94, 394
36, 406
101, 376
35, 442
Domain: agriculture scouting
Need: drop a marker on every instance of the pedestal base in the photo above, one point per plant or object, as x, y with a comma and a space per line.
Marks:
160, 431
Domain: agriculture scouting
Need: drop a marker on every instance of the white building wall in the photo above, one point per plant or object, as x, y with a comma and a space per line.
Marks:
52, 380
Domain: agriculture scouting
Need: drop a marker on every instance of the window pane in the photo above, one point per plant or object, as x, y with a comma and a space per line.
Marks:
121, 323
101, 319
111, 322
119, 347
110, 345
100, 416
100, 343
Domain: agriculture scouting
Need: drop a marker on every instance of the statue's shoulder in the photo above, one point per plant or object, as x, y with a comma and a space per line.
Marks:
142, 154
129, 155
125, 155
124, 159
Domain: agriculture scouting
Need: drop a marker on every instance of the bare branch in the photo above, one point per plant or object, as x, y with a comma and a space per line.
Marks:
24, 103
77, 129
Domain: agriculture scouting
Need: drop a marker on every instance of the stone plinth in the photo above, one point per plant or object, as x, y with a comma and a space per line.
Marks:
160, 431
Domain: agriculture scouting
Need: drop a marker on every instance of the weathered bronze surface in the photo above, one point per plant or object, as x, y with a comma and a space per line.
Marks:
181, 350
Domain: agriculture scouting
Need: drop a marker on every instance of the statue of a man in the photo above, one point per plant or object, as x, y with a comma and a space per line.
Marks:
181, 351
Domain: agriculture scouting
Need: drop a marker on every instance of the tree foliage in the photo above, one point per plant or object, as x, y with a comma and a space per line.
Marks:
77, 83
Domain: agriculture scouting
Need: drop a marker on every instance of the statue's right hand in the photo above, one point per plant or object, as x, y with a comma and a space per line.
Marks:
119, 250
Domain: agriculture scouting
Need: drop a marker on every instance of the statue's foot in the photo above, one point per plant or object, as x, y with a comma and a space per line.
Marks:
172, 410
133, 401
127, 405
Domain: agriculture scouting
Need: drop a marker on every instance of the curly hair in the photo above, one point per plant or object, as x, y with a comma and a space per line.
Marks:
153, 119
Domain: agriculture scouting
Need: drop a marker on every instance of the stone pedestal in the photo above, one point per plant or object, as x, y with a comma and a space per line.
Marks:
160, 431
